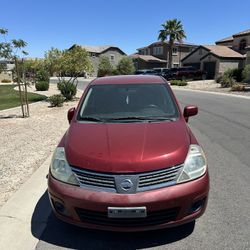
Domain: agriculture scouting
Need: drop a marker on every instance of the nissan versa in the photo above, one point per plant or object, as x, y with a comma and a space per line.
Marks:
128, 161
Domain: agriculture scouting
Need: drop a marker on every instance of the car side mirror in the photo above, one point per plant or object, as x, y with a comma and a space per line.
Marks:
71, 113
190, 111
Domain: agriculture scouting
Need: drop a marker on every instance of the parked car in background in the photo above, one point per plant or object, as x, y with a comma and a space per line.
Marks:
183, 73
146, 72
129, 161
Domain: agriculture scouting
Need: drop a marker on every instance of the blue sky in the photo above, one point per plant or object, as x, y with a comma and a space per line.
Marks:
128, 24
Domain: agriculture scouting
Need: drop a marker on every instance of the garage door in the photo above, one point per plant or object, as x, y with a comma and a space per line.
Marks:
209, 67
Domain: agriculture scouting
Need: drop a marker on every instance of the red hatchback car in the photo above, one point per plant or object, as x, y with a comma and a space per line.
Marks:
128, 161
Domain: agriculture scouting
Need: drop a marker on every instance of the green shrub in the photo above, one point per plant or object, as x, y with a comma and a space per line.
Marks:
246, 73
6, 81
42, 75
178, 82
126, 66
56, 100
105, 68
42, 86
234, 73
68, 89
227, 81
238, 87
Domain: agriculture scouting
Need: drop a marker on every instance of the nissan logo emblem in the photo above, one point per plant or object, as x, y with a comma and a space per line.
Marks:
126, 184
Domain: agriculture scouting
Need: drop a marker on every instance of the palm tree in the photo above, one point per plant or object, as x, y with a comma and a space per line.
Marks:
172, 31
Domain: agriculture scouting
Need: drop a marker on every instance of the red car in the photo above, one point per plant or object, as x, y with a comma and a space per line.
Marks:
128, 161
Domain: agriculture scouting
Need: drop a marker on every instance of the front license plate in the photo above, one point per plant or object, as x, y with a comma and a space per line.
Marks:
127, 212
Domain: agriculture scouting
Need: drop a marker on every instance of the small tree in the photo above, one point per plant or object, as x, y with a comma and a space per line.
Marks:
105, 67
126, 66
68, 63
9, 50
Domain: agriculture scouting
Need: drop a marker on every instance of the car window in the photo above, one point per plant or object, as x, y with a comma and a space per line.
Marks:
128, 100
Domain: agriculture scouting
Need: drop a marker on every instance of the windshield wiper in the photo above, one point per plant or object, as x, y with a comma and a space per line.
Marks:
91, 118
139, 118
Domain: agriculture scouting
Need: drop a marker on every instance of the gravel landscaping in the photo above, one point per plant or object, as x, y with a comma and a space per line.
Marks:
27, 142
212, 86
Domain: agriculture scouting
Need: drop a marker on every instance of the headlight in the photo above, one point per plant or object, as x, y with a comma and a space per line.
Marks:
60, 168
195, 164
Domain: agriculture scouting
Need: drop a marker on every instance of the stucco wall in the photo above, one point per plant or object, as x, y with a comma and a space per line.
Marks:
6, 75
237, 40
225, 65
196, 56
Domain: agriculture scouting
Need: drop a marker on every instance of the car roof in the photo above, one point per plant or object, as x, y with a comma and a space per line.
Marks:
128, 79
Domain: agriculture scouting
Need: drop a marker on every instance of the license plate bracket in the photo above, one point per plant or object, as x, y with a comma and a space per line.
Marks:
127, 212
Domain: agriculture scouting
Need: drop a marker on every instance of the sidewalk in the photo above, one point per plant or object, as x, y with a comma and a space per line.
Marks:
16, 215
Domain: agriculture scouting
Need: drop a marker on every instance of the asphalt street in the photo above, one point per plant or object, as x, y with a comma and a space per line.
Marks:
223, 129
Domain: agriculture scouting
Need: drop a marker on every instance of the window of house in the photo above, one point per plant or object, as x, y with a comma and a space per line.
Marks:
158, 50
112, 57
200, 51
243, 44
176, 65
175, 51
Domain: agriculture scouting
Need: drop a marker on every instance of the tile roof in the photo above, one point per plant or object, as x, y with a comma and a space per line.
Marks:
226, 39
166, 42
222, 51
148, 58
242, 33
96, 49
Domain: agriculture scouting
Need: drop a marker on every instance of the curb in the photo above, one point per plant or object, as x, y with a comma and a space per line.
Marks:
211, 92
16, 214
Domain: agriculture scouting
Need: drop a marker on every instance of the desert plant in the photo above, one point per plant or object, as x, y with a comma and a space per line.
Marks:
42, 86
68, 89
234, 73
178, 83
126, 66
56, 100
6, 81
227, 81
238, 87
246, 73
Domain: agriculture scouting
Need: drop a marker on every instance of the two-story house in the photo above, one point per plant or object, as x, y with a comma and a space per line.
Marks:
95, 52
157, 54
228, 53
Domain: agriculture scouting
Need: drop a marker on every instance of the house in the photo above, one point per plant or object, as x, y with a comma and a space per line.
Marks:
214, 59
8, 66
147, 61
230, 52
112, 52
160, 50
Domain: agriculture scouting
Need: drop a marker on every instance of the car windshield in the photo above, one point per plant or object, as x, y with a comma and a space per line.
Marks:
128, 102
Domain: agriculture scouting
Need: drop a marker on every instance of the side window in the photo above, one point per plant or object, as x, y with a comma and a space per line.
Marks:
112, 58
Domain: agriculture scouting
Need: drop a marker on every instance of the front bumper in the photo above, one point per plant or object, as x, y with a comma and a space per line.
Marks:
167, 207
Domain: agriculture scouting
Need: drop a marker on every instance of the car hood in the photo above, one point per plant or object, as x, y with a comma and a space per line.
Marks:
126, 147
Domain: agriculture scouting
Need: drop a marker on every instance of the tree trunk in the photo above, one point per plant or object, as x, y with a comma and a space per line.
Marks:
19, 85
170, 53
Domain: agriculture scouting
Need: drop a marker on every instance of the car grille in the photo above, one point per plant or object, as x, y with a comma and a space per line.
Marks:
153, 218
142, 181
95, 179
159, 178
